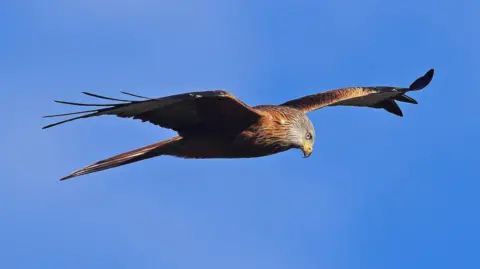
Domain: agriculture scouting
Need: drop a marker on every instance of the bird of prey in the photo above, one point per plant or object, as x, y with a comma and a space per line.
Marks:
215, 124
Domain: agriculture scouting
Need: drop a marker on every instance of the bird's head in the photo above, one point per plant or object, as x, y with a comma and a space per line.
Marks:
302, 134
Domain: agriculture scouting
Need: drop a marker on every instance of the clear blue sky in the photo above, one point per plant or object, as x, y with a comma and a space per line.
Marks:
379, 191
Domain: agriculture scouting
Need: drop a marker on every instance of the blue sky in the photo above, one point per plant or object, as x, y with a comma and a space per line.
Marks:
379, 191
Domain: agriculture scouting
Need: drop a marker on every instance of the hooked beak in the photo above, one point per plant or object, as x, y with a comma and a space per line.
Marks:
307, 150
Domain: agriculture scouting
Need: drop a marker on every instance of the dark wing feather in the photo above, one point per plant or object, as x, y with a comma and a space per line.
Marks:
405, 98
375, 97
390, 106
138, 96
207, 111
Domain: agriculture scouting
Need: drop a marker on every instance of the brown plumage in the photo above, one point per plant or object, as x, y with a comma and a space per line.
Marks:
215, 124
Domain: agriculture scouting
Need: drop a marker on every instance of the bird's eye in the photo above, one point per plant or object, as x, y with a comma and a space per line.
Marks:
308, 136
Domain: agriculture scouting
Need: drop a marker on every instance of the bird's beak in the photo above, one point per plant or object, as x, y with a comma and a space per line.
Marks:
307, 150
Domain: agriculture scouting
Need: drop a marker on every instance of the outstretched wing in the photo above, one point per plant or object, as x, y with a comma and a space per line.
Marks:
207, 111
375, 97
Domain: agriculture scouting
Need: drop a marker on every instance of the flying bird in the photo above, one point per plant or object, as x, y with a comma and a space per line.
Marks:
215, 124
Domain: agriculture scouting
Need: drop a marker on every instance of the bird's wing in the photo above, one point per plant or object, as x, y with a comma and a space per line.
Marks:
207, 111
374, 97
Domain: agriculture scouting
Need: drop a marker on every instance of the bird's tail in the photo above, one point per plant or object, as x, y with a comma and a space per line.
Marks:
135, 155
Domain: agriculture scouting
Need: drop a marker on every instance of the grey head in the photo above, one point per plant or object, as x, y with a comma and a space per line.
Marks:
302, 133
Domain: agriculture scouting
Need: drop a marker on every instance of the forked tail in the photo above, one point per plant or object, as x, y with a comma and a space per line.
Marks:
135, 155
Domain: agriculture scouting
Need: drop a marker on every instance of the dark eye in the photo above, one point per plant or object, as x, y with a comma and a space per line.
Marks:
308, 136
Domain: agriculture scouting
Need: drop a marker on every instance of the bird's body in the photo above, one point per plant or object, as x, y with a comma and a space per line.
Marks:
266, 136
215, 124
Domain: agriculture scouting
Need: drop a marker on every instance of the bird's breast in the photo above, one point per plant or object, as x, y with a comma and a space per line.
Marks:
263, 138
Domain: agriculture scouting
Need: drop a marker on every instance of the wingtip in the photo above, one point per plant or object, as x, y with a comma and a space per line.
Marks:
135, 95
66, 177
431, 71
422, 81
48, 126
390, 106
429, 75
400, 114
406, 99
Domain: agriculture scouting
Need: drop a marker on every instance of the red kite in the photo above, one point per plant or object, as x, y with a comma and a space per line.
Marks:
215, 124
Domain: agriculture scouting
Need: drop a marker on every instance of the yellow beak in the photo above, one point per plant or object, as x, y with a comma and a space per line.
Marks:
307, 150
